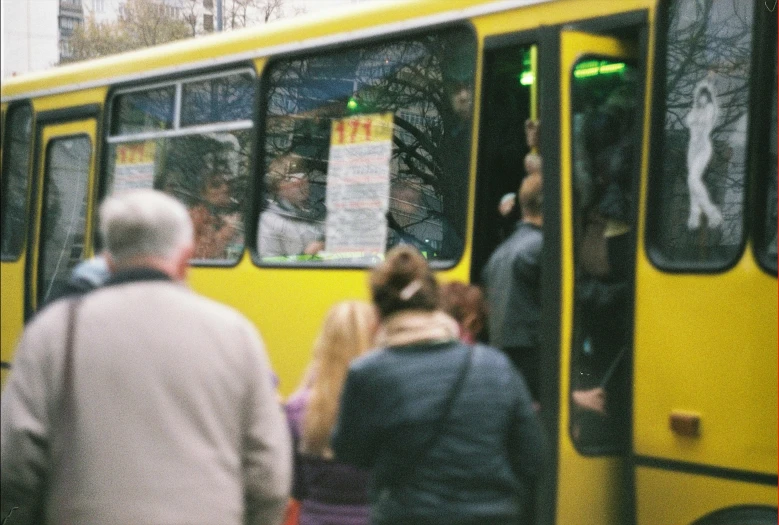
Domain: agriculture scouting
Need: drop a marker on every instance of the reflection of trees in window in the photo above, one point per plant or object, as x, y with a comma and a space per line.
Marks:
64, 218
707, 40
201, 157
221, 99
143, 111
414, 79
15, 179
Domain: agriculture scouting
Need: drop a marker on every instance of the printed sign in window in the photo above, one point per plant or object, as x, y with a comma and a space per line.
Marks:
358, 183
134, 166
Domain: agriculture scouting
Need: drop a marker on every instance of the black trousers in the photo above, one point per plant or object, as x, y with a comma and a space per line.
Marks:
525, 359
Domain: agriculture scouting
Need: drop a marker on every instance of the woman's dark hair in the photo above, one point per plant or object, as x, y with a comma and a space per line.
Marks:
403, 282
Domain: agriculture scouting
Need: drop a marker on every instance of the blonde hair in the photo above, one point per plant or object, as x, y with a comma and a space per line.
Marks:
347, 332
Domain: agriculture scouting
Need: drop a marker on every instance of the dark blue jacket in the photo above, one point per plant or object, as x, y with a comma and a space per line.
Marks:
512, 279
489, 451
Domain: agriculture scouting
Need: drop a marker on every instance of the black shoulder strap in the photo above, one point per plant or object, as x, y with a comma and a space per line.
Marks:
411, 462
67, 369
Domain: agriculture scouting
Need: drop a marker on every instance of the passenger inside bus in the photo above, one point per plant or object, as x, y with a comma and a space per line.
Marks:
216, 222
288, 226
412, 220
603, 197
512, 279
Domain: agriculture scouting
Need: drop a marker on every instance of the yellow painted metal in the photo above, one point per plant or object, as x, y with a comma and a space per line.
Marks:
677, 498
591, 490
12, 274
719, 362
49, 133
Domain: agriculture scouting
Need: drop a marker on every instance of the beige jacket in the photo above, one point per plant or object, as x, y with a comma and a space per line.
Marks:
175, 421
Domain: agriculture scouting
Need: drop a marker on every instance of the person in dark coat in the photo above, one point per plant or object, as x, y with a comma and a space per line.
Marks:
512, 279
447, 429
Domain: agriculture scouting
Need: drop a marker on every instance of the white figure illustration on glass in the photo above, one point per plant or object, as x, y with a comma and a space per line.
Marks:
700, 120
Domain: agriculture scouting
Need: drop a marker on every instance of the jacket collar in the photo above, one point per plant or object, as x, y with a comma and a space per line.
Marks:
131, 275
417, 326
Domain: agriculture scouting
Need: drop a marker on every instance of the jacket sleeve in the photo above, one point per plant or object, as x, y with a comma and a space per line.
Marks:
353, 434
25, 424
270, 235
267, 452
529, 454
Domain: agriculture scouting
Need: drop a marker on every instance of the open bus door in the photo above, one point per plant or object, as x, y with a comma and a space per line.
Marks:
62, 205
601, 109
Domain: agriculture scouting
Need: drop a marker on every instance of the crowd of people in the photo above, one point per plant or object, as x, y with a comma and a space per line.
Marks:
396, 420
404, 415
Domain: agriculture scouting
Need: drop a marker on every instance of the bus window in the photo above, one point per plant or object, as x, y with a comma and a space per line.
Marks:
65, 210
16, 165
367, 148
605, 116
697, 190
191, 139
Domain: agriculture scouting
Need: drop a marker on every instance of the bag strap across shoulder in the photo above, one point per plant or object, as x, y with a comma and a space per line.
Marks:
411, 462
67, 369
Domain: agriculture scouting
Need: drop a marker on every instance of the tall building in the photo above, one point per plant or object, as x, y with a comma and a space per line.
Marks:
71, 15
30, 36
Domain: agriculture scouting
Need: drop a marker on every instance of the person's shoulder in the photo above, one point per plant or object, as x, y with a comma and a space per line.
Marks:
490, 354
369, 362
47, 316
492, 360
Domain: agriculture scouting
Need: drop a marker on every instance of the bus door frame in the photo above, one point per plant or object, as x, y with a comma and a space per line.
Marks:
635, 25
51, 125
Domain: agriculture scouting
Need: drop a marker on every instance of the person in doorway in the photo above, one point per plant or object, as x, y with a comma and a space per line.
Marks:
466, 304
125, 407
512, 280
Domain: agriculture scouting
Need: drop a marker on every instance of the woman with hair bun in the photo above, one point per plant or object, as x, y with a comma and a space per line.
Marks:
447, 429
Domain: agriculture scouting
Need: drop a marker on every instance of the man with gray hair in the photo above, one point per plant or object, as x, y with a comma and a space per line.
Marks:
143, 402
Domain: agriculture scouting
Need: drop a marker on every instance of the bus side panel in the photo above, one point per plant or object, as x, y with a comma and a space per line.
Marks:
706, 345
674, 498
12, 304
705, 348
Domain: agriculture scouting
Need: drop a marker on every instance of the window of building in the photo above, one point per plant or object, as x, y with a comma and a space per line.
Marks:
367, 148
697, 190
208, 4
16, 180
208, 22
191, 139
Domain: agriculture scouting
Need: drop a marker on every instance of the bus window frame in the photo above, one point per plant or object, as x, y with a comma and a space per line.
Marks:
177, 131
5, 179
611, 448
45, 188
259, 190
656, 178
764, 64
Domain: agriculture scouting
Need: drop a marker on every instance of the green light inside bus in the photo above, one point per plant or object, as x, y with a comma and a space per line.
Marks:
591, 68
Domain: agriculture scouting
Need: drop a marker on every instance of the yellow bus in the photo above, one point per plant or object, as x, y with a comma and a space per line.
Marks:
306, 148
